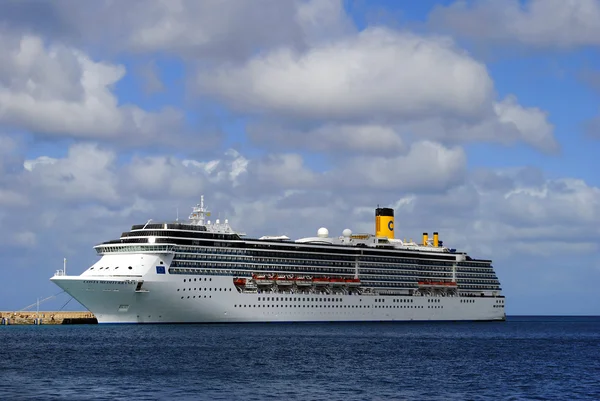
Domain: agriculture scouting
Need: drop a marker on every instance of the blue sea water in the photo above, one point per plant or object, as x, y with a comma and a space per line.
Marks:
524, 358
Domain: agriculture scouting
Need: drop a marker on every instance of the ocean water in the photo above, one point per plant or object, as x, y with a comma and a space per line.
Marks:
524, 358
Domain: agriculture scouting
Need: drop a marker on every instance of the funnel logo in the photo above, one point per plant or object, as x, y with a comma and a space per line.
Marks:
391, 225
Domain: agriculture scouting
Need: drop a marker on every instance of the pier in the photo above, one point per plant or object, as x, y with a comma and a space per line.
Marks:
46, 317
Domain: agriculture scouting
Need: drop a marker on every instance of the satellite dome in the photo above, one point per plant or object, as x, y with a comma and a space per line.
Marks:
323, 232
347, 232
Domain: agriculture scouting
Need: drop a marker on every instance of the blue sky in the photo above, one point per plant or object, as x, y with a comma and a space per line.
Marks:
477, 119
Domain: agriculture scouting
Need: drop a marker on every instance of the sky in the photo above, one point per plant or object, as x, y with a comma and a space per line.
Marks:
477, 119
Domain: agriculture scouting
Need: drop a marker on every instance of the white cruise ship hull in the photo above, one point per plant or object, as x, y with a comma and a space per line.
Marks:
166, 298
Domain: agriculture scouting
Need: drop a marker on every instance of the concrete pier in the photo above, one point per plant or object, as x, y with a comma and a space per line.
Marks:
47, 317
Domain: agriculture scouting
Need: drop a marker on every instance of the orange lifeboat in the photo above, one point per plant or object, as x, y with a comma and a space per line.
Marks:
321, 280
303, 281
353, 282
437, 283
239, 281
284, 280
262, 279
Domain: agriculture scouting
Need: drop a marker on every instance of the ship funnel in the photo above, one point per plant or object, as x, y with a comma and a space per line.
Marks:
436, 239
384, 222
425, 238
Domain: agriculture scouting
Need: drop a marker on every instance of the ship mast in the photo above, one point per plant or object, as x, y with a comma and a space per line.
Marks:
199, 212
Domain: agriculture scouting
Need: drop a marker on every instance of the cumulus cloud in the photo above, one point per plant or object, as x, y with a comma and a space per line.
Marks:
377, 73
203, 30
86, 173
60, 91
497, 212
428, 166
331, 138
537, 23
364, 91
510, 123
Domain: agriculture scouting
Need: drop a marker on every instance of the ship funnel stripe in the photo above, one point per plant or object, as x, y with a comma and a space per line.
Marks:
384, 211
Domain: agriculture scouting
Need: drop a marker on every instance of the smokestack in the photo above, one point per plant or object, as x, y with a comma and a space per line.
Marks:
384, 222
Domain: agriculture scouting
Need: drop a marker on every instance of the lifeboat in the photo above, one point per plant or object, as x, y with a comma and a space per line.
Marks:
239, 282
337, 281
442, 284
284, 280
320, 280
303, 281
352, 282
262, 279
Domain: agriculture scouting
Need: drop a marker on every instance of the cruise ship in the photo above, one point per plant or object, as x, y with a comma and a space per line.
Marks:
202, 272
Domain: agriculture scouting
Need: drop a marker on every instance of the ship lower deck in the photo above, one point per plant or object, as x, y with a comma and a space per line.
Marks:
214, 299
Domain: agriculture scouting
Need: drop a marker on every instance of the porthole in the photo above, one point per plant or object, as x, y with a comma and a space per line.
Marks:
130, 268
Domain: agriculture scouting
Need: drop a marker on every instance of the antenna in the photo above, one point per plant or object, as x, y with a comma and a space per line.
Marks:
146, 223
65, 266
177, 213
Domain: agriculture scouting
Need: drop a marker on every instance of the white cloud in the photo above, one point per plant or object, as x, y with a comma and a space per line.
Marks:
361, 92
202, 30
530, 124
378, 73
323, 20
332, 138
87, 173
508, 211
537, 23
283, 171
59, 91
206, 30
428, 166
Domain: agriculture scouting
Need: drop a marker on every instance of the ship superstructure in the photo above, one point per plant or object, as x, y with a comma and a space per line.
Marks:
198, 271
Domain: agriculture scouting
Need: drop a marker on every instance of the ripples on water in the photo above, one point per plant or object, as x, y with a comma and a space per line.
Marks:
523, 358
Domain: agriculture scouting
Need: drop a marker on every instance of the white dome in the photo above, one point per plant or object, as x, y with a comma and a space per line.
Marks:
323, 232
347, 232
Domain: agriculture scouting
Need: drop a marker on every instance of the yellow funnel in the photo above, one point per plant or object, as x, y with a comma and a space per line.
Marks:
384, 222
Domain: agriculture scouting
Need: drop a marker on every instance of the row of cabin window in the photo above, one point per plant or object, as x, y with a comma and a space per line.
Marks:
364, 270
